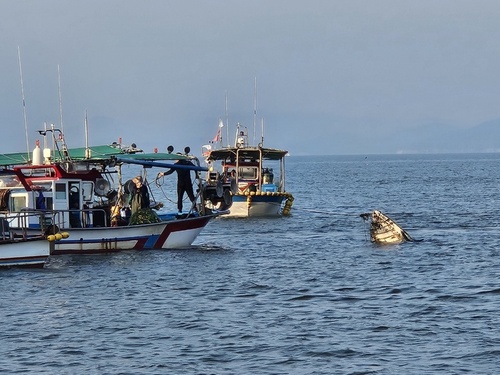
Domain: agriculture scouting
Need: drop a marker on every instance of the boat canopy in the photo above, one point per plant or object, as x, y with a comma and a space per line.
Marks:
14, 159
96, 154
247, 153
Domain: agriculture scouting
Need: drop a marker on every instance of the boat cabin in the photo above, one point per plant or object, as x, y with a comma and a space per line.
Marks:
70, 194
252, 168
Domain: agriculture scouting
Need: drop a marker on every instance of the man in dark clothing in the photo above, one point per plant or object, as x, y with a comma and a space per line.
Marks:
140, 195
74, 205
184, 183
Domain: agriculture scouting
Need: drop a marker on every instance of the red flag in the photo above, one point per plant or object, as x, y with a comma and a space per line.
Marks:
217, 137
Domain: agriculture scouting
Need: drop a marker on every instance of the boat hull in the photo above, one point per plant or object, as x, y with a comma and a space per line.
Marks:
256, 206
162, 235
254, 175
32, 252
384, 230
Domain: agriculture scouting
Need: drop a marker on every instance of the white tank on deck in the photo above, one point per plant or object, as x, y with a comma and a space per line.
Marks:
37, 155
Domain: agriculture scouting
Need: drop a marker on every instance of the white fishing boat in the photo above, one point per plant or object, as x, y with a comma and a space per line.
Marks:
30, 252
384, 230
82, 191
250, 178
23, 250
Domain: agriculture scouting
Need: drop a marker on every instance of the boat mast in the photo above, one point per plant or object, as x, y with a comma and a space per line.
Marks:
227, 123
86, 126
254, 108
262, 133
60, 98
282, 173
24, 102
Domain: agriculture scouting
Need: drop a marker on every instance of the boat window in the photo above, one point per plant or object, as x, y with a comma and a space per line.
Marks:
60, 191
248, 173
87, 189
37, 172
10, 181
43, 186
18, 203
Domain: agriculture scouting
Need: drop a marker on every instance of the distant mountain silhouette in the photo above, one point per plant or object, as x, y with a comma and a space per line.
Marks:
338, 138
439, 138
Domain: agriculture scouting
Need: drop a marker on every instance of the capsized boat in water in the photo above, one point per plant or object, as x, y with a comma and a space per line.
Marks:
254, 176
384, 230
82, 191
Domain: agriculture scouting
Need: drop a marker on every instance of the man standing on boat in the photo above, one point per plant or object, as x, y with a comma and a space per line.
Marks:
140, 196
184, 182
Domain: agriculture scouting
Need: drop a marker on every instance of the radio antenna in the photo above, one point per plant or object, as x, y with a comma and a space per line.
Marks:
254, 109
60, 98
24, 102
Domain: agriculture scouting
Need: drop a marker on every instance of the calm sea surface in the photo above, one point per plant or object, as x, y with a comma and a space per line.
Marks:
304, 294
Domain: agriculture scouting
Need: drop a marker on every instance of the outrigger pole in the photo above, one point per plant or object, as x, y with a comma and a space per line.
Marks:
161, 165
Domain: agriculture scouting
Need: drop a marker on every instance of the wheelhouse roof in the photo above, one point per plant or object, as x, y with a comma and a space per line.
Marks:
96, 154
18, 158
247, 153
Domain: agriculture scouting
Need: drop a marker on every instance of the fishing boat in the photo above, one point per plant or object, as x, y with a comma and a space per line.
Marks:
23, 250
83, 191
254, 176
30, 252
384, 230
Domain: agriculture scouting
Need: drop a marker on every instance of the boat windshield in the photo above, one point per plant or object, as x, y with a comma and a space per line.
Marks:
10, 181
248, 173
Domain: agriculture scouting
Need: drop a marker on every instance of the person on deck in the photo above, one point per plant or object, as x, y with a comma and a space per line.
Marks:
184, 182
74, 206
140, 196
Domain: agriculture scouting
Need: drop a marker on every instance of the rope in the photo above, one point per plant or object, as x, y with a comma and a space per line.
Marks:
194, 186
160, 187
329, 213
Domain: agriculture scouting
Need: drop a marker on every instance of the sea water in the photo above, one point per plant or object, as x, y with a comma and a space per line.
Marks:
303, 294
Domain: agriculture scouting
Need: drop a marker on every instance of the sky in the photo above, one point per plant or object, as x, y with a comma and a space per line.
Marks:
322, 76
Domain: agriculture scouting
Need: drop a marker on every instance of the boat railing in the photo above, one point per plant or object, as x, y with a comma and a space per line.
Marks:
83, 218
71, 218
21, 221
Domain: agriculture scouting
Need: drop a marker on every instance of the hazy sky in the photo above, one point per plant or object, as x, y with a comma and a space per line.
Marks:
332, 76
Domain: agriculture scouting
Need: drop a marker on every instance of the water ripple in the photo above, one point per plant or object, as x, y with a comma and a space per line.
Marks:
305, 294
